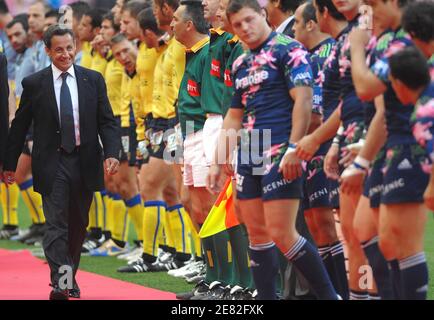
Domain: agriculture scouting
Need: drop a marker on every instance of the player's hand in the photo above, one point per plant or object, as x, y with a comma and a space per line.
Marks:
352, 180
213, 179
8, 177
307, 147
331, 167
428, 196
290, 165
111, 165
359, 37
347, 158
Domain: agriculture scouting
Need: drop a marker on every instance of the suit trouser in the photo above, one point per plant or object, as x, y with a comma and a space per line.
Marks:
66, 211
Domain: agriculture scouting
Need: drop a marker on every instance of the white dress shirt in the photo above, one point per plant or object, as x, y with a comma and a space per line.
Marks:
71, 81
283, 25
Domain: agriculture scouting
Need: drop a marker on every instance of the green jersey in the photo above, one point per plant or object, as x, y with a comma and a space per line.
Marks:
228, 89
213, 75
190, 112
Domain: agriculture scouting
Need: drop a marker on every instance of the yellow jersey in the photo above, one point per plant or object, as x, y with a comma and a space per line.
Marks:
86, 58
99, 63
170, 67
129, 85
113, 78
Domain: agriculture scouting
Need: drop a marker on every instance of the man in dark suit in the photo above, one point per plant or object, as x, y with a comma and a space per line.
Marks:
4, 108
70, 111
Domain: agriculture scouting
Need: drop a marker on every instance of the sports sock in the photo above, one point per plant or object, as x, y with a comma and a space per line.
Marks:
265, 266
338, 258
104, 209
306, 258
359, 295
180, 227
380, 268
33, 201
153, 226
414, 273
95, 211
121, 219
396, 279
223, 254
9, 201
136, 212
240, 246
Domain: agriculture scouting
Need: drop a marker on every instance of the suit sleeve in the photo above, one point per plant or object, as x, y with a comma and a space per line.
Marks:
4, 106
19, 127
108, 128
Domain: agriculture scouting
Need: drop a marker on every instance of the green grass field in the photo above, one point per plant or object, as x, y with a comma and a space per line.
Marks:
162, 281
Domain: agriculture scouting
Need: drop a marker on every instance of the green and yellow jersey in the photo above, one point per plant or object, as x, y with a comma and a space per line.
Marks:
189, 99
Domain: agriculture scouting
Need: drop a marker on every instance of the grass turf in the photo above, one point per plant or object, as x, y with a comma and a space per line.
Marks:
107, 265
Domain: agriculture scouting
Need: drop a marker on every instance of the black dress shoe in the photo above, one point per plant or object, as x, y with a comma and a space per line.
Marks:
59, 294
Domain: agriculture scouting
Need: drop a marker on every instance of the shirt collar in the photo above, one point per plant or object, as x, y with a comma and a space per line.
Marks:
283, 25
219, 31
234, 39
198, 45
57, 72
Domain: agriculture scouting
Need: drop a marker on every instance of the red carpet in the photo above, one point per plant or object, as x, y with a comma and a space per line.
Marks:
24, 277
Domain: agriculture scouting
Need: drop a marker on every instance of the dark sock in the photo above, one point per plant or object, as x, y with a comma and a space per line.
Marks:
240, 246
326, 256
9, 227
148, 258
359, 295
224, 257
380, 269
414, 275
374, 296
95, 233
107, 234
265, 266
396, 279
338, 257
210, 259
307, 260
182, 257
119, 242
138, 243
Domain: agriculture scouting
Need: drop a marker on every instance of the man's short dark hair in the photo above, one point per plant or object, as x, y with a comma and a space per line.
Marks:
21, 19
235, 6
111, 17
53, 13
45, 4
78, 9
134, 7
194, 13
418, 20
95, 16
309, 13
3, 7
322, 4
56, 30
410, 67
147, 21
118, 39
174, 4
289, 5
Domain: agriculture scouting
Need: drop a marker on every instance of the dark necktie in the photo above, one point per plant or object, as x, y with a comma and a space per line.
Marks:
66, 116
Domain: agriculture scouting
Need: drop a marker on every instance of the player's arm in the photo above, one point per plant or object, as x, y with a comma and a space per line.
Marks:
367, 84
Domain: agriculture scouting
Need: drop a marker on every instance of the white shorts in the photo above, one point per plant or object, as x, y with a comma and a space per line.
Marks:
211, 132
195, 167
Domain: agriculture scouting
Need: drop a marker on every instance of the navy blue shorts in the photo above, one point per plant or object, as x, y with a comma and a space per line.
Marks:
316, 185
374, 181
268, 186
406, 174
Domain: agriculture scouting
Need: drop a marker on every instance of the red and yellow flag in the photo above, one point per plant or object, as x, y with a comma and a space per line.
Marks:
222, 215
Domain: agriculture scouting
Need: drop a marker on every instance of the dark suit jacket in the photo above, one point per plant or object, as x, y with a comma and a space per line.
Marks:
38, 103
4, 106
